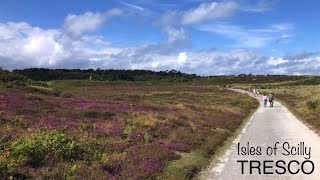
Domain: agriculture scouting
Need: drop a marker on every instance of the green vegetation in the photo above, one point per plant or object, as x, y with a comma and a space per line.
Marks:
114, 129
131, 124
46, 146
303, 101
110, 75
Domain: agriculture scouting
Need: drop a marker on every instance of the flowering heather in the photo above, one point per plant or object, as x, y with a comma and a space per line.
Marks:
50, 122
118, 147
175, 146
94, 104
115, 128
112, 128
144, 167
113, 166
124, 131
136, 136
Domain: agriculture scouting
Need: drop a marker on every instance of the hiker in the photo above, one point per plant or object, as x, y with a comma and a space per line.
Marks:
265, 100
271, 99
254, 92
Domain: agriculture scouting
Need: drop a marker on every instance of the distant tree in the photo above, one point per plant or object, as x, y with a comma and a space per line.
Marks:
42, 74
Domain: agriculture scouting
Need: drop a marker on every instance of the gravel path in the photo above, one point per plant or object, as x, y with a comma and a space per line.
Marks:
266, 127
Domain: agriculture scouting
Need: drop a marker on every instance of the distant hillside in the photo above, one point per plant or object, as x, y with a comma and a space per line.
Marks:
41, 74
258, 79
111, 75
6, 76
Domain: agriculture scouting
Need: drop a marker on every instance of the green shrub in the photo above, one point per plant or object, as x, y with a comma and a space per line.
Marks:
3, 142
1, 114
66, 95
45, 90
43, 146
92, 114
313, 105
236, 102
18, 122
97, 114
70, 175
128, 130
31, 96
8, 85
4, 170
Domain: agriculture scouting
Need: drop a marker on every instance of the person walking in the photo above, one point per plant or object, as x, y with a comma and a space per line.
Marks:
265, 100
271, 99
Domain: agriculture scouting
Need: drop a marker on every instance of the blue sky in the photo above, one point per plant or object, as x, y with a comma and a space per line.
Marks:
194, 36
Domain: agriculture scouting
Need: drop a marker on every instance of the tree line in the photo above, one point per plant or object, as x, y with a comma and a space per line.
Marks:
42, 74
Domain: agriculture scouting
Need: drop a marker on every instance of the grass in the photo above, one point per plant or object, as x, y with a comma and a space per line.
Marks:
115, 130
304, 102
186, 167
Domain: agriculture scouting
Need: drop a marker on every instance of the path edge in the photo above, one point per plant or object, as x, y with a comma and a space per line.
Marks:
225, 150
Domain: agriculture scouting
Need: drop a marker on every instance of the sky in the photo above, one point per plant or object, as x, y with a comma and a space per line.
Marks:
193, 36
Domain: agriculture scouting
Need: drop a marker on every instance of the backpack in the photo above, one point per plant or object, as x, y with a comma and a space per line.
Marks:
271, 96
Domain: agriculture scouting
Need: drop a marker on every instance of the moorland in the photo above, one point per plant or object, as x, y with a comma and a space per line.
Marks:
59, 124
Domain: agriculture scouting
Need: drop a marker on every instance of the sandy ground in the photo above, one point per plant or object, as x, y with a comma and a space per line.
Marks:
266, 127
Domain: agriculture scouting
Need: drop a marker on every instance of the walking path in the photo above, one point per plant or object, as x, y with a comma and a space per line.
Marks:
266, 127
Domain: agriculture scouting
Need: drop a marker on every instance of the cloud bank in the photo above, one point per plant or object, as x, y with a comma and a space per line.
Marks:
73, 46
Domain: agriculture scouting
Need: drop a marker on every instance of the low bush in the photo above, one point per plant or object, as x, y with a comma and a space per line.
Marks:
144, 161
66, 95
313, 105
46, 146
98, 115
1, 114
44, 90
4, 170
31, 96
19, 122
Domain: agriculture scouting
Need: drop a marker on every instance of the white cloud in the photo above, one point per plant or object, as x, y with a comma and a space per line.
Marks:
209, 11
30, 45
176, 34
79, 24
252, 38
134, 6
276, 61
203, 13
24, 46
182, 58
260, 7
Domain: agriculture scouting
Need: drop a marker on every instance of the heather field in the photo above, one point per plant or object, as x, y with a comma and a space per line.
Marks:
80, 129
114, 130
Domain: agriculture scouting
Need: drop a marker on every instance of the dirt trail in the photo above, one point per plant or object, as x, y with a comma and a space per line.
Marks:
266, 127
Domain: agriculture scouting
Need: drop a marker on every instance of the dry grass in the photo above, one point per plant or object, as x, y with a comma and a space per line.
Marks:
303, 101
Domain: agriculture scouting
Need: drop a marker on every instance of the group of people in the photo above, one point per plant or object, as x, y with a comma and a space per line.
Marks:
265, 97
255, 92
